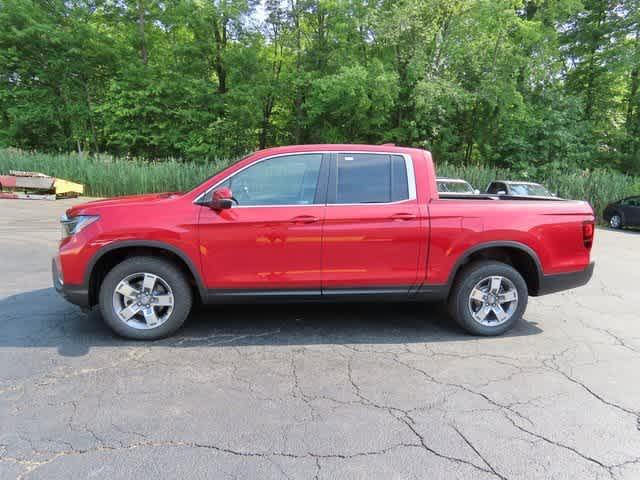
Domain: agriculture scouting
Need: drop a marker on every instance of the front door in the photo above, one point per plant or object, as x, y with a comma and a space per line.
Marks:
271, 240
372, 232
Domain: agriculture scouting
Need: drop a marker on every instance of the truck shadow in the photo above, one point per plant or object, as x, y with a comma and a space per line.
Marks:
40, 318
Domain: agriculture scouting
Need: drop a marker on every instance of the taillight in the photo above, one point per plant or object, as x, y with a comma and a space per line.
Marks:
588, 229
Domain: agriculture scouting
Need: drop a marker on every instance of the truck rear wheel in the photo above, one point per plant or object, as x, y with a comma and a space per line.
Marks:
145, 298
489, 298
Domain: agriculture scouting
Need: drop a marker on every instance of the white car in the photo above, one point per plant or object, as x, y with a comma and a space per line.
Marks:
456, 186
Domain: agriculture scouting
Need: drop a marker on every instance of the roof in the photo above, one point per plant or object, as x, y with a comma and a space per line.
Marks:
338, 147
511, 182
452, 180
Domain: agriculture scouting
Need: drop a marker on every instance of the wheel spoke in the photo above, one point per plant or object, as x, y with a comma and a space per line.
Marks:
130, 311
127, 290
509, 296
501, 315
496, 282
477, 294
150, 316
164, 300
483, 312
149, 282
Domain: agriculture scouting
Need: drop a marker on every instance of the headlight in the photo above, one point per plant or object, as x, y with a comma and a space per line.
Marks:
72, 225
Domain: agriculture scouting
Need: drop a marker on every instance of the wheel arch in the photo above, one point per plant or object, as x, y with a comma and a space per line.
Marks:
520, 256
112, 254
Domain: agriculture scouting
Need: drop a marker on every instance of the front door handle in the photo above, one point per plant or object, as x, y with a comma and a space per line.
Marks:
304, 219
403, 216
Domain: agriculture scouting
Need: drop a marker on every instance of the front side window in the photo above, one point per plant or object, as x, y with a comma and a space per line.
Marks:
497, 187
286, 180
371, 178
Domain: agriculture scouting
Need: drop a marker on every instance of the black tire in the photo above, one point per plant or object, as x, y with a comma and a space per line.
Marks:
169, 273
467, 280
616, 221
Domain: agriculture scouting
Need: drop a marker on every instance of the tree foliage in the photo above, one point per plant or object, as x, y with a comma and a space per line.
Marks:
511, 83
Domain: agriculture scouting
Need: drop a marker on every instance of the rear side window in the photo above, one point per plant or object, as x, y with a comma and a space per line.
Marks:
371, 178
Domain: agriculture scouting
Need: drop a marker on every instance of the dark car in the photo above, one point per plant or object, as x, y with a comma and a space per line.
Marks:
623, 213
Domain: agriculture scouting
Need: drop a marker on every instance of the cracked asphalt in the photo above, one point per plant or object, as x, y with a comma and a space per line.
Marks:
308, 391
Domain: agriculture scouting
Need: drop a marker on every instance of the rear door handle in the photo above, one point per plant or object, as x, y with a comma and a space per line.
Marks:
304, 219
403, 216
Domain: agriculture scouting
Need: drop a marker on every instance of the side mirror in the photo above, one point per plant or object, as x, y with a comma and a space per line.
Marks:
501, 192
221, 199
476, 192
221, 204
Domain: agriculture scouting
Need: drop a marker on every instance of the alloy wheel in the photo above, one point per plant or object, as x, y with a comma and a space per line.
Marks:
615, 221
493, 301
143, 301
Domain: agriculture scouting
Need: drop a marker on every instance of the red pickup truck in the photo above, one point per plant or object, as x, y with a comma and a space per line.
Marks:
320, 222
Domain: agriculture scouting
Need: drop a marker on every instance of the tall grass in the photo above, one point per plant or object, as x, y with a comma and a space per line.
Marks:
106, 176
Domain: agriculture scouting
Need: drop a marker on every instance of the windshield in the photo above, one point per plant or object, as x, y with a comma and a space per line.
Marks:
221, 169
454, 187
529, 190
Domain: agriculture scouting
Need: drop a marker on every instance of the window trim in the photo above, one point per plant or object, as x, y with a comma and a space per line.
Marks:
411, 178
322, 182
327, 166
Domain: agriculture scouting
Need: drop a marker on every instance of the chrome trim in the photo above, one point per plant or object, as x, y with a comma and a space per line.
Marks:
411, 176
411, 179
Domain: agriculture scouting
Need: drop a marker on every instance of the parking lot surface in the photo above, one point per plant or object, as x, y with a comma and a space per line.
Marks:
307, 391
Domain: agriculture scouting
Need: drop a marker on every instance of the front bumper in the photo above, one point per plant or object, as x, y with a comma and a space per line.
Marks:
565, 281
76, 294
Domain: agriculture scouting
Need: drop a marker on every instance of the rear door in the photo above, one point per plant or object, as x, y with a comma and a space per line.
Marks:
372, 229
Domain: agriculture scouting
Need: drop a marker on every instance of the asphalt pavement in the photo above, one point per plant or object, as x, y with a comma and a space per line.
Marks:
317, 391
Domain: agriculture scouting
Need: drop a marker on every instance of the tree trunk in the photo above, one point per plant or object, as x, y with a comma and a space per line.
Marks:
143, 43
92, 124
298, 101
633, 92
220, 34
266, 122
634, 83
591, 79
404, 94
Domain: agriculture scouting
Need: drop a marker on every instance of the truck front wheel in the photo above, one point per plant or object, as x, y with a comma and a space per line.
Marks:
145, 298
489, 298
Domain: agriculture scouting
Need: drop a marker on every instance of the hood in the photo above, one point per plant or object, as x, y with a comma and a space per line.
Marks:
129, 200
